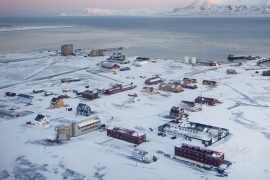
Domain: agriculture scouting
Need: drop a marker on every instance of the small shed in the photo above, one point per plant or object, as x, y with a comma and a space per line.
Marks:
231, 71
266, 73
189, 81
36, 91
83, 109
209, 83
41, 120
207, 101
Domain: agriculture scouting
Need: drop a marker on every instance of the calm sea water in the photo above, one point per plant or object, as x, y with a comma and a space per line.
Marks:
159, 37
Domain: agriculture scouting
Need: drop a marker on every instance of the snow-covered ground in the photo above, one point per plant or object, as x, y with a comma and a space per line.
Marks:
25, 153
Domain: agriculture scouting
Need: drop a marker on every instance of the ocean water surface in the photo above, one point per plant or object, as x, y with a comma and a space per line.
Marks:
207, 38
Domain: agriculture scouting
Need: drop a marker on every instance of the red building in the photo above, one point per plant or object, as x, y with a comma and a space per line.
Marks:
89, 95
153, 80
207, 101
119, 89
199, 154
126, 135
110, 66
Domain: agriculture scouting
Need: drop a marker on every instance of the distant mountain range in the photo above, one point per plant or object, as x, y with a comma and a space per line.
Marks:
197, 8
120, 12
222, 8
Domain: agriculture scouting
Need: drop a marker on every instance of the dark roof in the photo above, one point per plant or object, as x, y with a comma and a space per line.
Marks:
25, 96
39, 117
175, 108
205, 98
189, 79
142, 59
81, 107
189, 103
109, 65
88, 92
54, 99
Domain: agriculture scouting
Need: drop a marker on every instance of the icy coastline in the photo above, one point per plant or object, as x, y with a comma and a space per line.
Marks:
24, 153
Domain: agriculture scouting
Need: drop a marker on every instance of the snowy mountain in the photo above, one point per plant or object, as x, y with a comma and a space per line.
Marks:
197, 8
229, 7
119, 12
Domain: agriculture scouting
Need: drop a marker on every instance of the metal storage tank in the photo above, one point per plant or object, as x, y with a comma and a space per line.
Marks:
186, 59
193, 60
67, 49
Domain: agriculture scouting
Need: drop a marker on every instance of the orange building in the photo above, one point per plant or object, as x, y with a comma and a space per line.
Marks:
57, 103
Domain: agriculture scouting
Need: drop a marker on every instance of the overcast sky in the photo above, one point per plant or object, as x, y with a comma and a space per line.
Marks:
54, 7
41, 7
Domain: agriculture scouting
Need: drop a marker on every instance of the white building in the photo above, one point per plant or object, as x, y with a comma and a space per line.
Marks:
41, 120
139, 61
85, 126
203, 133
190, 106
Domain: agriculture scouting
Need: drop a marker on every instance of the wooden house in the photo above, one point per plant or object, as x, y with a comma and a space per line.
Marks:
207, 101
189, 86
153, 80
83, 109
41, 120
126, 135
189, 81
190, 106
177, 112
110, 66
118, 58
119, 88
150, 90
202, 155
90, 95
171, 87
57, 103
